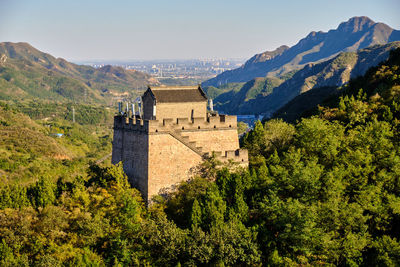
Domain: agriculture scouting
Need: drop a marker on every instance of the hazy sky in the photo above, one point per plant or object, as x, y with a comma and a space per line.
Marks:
176, 29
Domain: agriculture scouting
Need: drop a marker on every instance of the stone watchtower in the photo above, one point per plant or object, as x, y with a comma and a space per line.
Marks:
175, 133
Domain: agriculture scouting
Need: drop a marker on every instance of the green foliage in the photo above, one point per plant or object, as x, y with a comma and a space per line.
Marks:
386, 252
278, 135
242, 127
180, 202
195, 215
13, 196
213, 208
31, 148
288, 75
84, 114
214, 92
42, 193
230, 97
329, 136
254, 141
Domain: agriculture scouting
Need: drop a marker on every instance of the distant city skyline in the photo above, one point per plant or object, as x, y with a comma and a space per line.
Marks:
153, 30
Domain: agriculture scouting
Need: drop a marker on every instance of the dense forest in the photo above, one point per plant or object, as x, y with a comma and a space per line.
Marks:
322, 191
40, 138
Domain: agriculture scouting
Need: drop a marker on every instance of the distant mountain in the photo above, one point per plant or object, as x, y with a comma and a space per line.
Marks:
230, 97
379, 87
350, 36
318, 80
26, 72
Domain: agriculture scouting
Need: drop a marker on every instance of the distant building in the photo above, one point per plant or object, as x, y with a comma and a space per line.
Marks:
174, 135
59, 135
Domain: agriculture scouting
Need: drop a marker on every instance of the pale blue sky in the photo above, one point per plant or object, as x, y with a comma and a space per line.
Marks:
176, 29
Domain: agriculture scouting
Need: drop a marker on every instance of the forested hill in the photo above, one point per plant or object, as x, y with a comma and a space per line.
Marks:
350, 36
323, 191
40, 139
27, 73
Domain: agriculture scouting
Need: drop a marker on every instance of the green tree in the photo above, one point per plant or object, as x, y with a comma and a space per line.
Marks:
195, 218
42, 193
214, 208
278, 135
317, 137
254, 141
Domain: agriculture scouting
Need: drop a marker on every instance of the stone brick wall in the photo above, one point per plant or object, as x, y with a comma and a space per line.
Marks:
170, 162
131, 147
159, 154
148, 103
239, 156
117, 143
214, 139
180, 110
135, 159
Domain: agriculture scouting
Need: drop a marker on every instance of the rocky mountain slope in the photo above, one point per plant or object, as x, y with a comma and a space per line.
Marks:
331, 73
26, 72
230, 97
350, 36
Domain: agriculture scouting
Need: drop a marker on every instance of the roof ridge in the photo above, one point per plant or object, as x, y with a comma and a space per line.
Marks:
175, 88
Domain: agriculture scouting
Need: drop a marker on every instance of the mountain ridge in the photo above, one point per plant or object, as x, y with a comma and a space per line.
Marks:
328, 74
349, 36
26, 72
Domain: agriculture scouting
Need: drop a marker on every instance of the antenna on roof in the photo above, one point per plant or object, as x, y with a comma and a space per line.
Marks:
133, 110
138, 100
120, 108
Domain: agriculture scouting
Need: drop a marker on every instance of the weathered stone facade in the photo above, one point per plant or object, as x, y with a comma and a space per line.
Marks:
159, 153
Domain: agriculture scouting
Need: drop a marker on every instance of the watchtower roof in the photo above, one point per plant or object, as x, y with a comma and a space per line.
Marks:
177, 94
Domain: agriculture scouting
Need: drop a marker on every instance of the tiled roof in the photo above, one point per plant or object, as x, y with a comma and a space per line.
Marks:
176, 94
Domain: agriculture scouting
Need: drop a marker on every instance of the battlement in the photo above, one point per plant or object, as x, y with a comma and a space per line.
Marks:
156, 155
133, 124
239, 155
168, 124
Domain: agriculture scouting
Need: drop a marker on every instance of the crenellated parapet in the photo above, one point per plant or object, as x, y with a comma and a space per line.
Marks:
240, 156
154, 126
159, 154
